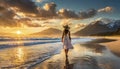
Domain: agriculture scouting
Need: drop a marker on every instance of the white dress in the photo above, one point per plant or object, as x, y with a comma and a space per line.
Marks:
67, 42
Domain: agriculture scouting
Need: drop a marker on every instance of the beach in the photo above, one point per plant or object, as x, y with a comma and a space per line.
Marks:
48, 53
95, 54
113, 46
59, 34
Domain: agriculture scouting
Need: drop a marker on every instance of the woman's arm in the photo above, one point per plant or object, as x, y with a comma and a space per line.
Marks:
62, 36
69, 35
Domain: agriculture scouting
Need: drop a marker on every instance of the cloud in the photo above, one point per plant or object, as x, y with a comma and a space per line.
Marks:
48, 22
33, 25
8, 13
6, 17
38, 0
10, 8
21, 5
106, 9
81, 25
48, 10
23, 9
66, 22
87, 14
66, 13
28, 22
69, 14
50, 7
2, 8
4, 22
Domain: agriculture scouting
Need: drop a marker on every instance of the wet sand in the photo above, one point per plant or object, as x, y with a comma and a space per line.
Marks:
113, 46
113, 43
89, 55
26, 54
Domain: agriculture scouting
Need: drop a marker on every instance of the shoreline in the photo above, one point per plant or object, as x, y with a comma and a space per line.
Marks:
88, 52
114, 46
111, 42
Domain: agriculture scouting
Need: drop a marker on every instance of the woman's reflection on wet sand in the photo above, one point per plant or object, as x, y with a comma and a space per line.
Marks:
86, 61
67, 64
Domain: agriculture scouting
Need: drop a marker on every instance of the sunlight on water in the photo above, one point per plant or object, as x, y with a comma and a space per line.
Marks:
31, 56
20, 55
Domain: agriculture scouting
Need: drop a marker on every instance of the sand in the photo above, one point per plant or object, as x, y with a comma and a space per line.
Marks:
113, 43
97, 54
114, 46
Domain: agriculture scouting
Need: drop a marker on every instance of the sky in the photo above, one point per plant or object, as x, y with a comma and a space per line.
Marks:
30, 16
81, 5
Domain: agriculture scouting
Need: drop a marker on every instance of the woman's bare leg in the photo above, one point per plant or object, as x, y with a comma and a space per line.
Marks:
66, 52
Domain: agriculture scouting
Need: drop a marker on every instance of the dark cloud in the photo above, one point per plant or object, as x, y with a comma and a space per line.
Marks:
10, 8
48, 10
28, 22
8, 14
50, 7
21, 5
2, 8
7, 22
6, 17
87, 14
66, 13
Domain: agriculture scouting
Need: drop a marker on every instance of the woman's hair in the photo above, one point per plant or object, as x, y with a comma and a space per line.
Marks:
66, 31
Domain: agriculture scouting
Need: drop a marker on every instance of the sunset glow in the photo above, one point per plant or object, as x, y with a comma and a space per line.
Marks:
59, 34
18, 32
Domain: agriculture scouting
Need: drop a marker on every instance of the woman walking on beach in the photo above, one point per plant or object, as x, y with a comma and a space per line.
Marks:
66, 39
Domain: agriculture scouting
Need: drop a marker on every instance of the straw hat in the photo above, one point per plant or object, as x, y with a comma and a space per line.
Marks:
66, 27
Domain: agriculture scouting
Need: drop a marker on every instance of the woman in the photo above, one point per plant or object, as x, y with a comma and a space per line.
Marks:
66, 39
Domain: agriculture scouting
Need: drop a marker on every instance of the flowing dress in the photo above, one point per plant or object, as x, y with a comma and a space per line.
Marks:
67, 42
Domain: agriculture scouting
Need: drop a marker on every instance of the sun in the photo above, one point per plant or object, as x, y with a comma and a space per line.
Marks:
18, 32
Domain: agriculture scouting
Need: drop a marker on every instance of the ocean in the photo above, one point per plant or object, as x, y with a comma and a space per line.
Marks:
26, 52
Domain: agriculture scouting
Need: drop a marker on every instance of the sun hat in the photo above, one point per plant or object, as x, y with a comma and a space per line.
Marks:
66, 27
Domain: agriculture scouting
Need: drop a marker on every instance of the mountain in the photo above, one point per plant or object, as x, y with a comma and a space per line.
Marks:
100, 27
50, 32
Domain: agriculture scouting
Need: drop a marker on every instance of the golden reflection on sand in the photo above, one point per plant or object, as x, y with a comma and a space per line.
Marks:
20, 54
